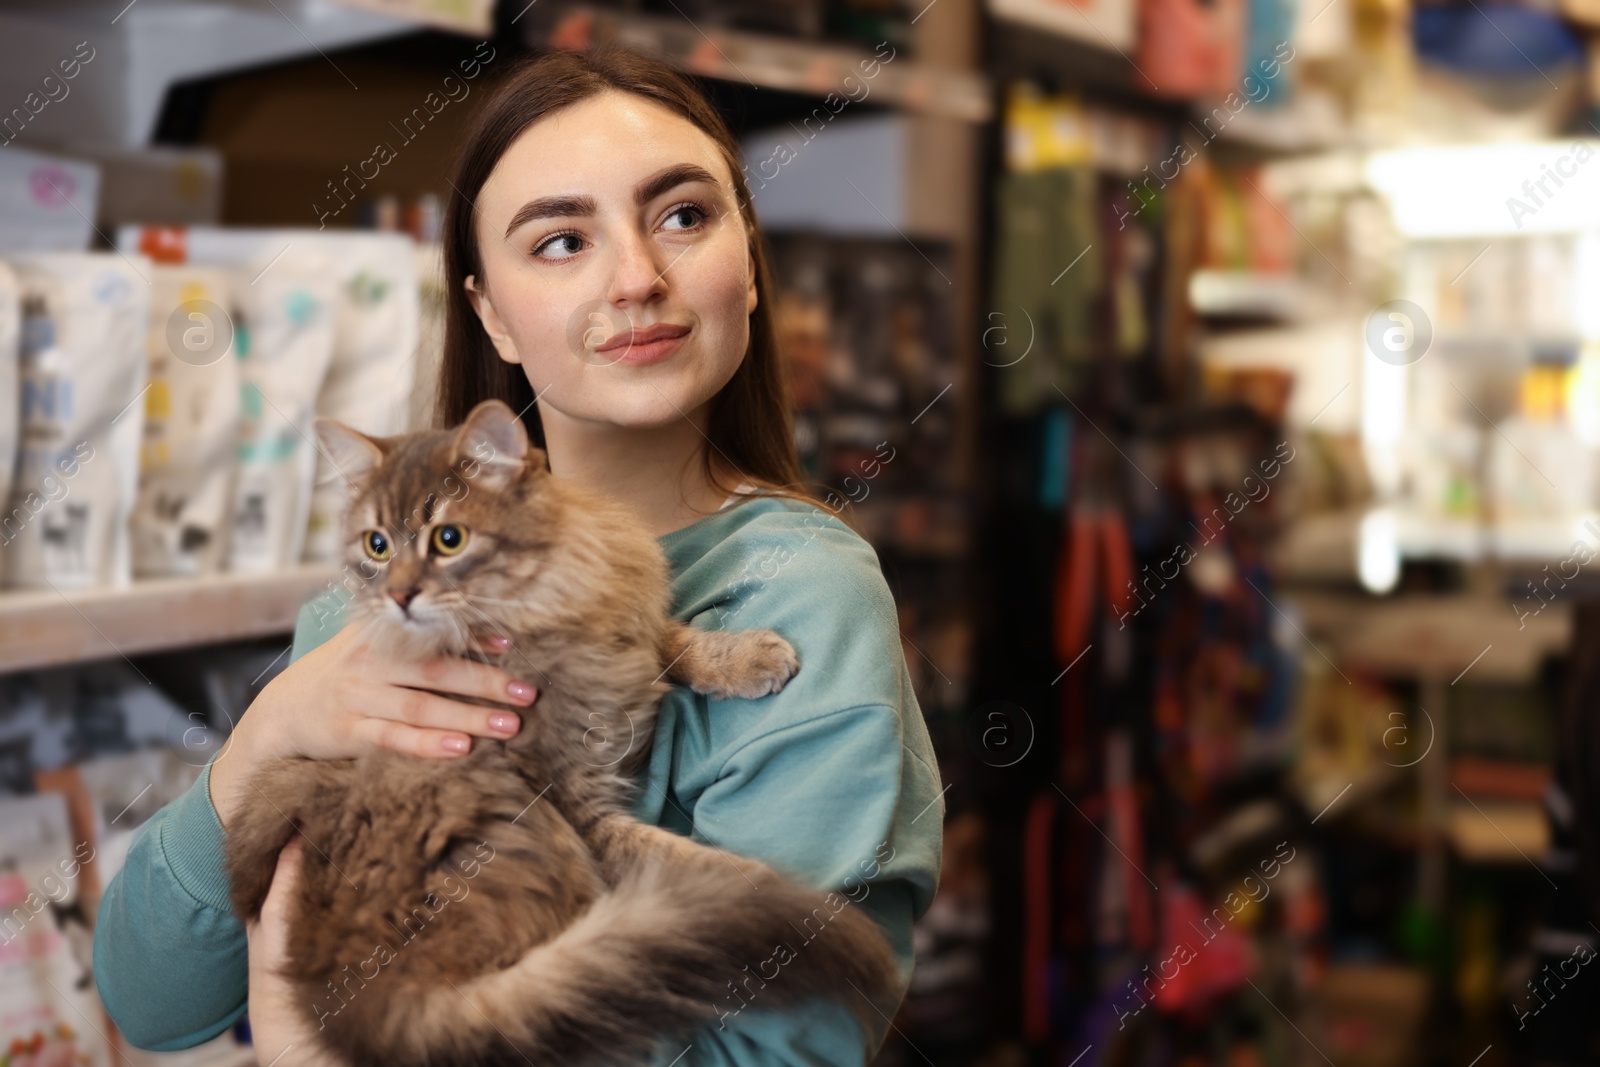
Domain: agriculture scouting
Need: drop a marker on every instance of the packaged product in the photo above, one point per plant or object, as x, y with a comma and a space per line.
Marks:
191, 426
429, 261
369, 382
82, 375
343, 325
49, 1010
10, 321
284, 328
46, 201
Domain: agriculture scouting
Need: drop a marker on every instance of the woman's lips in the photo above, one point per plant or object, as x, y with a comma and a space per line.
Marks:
650, 345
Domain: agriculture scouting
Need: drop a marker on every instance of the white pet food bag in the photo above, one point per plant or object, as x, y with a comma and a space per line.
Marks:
49, 1008
83, 371
283, 335
429, 261
370, 379
11, 410
191, 426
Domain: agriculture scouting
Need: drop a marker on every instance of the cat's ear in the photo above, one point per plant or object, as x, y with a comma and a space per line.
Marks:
496, 439
352, 453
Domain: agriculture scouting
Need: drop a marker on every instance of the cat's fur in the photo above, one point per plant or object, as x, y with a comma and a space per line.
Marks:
580, 935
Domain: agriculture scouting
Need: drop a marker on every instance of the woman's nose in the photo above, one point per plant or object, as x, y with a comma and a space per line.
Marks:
636, 276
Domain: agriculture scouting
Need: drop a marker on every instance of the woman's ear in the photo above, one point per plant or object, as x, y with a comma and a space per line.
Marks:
751, 299
492, 325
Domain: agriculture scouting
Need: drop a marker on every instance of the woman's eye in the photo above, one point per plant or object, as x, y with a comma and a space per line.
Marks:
376, 544
694, 213
569, 243
449, 539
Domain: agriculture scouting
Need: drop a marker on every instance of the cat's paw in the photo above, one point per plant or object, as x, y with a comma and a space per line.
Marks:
763, 665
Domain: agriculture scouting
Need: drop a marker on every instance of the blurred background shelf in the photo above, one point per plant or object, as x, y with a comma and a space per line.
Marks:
1416, 635
767, 61
46, 628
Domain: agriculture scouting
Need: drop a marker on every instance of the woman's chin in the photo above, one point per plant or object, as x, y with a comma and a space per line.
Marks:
646, 404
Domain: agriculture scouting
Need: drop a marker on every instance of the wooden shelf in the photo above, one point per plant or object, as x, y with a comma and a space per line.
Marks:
44, 628
764, 60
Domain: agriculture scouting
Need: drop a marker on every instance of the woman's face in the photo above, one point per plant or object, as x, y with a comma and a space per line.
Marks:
604, 220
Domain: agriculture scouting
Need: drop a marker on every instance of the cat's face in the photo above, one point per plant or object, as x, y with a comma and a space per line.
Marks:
443, 526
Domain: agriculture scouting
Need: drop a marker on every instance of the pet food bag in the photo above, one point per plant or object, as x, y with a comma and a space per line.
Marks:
284, 324
287, 291
429, 261
49, 1010
82, 375
10, 323
191, 426
370, 379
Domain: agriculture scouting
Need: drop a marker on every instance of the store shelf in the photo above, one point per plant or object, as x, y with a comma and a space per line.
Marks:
1248, 295
44, 628
1018, 49
1309, 122
1434, 636
140, 54
764, 61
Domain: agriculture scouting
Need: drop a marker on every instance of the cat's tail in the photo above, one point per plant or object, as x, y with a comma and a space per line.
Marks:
669, 950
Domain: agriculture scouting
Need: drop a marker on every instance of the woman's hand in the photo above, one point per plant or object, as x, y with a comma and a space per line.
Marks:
346, 697
278, 1026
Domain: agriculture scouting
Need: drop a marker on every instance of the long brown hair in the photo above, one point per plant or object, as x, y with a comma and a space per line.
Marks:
750, 422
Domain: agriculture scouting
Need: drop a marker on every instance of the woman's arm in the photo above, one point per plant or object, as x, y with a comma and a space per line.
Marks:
170, 959
832, 781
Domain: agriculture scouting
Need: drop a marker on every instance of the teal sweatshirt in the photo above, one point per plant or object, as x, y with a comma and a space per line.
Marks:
832, 780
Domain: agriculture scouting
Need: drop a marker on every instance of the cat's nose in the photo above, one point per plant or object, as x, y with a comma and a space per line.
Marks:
404, 597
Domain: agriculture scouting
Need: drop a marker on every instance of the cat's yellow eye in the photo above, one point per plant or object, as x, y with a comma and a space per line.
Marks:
448, 538
376, 545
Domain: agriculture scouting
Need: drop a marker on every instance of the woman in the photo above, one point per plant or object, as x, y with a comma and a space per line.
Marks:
598, 196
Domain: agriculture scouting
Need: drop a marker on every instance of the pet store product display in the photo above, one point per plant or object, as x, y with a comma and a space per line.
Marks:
49, 1010
321, 323
83, 372
369, 383
191, 412
10, 323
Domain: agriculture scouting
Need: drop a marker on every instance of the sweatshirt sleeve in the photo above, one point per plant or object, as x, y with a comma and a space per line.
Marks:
171, 960
832, 781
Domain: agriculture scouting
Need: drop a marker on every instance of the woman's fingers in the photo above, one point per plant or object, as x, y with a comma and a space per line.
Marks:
492, 644
425, 724
275, 907
452, 674
415, 741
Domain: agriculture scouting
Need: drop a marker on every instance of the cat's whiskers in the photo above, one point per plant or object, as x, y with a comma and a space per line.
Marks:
495, 624
462, 635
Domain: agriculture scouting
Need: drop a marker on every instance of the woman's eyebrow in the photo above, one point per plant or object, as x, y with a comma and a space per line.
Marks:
547, 207
677, 174
568, 205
